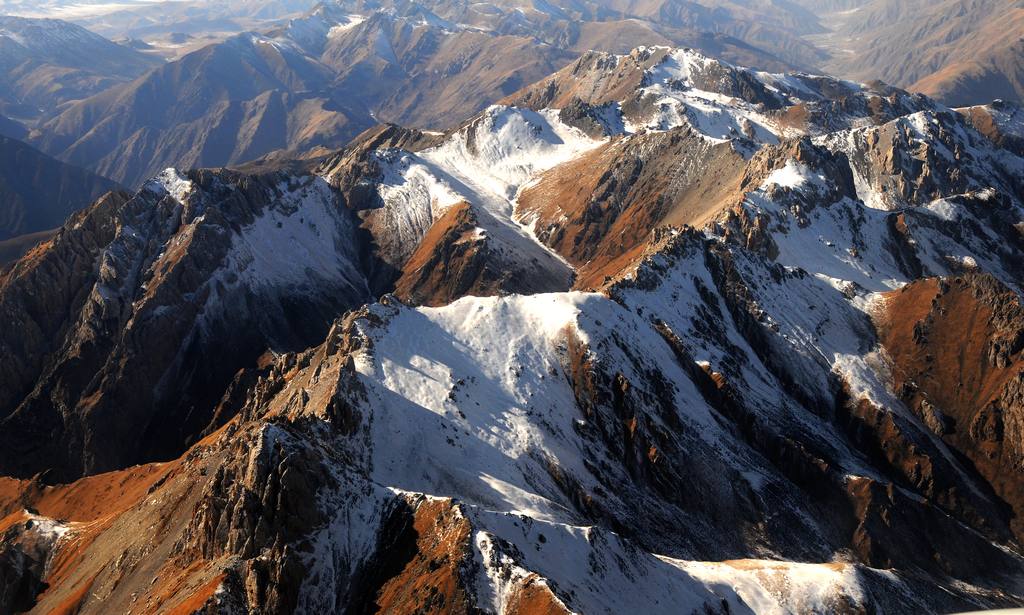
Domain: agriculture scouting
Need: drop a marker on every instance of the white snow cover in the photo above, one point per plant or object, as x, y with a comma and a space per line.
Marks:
793, 175
49, 529
351, 22
715, 116
982, 165
171, 182
944, 209
470, 399
505, 147
485, 163
1008, 117
49, 37
414, 198
468, 392
777, 588
308, 221
311, 31
609, 575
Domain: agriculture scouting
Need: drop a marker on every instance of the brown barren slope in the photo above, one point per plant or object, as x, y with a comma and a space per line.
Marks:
598, 211
448, 263
956, 350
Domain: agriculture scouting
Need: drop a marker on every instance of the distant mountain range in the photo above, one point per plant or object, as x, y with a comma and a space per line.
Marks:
962, 52
320, 79
323, 78
45, 63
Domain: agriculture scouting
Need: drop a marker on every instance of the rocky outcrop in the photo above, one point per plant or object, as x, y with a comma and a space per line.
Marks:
452, 262
1002, 122
594, 79
56, 273
356, 173
922, 157
427, 558
23, 557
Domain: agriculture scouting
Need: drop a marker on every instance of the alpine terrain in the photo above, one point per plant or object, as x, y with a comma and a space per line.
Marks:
654, 333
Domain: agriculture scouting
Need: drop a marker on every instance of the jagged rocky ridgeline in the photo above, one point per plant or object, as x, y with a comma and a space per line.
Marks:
660, 335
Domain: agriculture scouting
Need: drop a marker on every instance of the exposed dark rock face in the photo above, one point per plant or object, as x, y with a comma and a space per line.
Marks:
723, 79
922, 157
67, 268
159, 293
594, 79
22, 567
356, 173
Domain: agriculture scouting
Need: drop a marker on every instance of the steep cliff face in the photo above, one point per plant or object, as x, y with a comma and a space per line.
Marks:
1001, 121
665, 349
167, 295
600, 208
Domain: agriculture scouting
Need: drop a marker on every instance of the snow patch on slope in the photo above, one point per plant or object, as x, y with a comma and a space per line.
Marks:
778, 588
793, 175
506, 147
677, 102
414, 198
485, 164
469, 393
171, 182
596, 571
306, 222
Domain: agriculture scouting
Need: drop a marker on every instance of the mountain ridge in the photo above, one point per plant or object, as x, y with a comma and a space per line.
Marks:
39, 192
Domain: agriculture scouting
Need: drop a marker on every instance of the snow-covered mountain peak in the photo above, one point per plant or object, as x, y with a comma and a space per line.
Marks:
314, 30
505, 147
484, 165
46, 35
679, 64
171, 182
